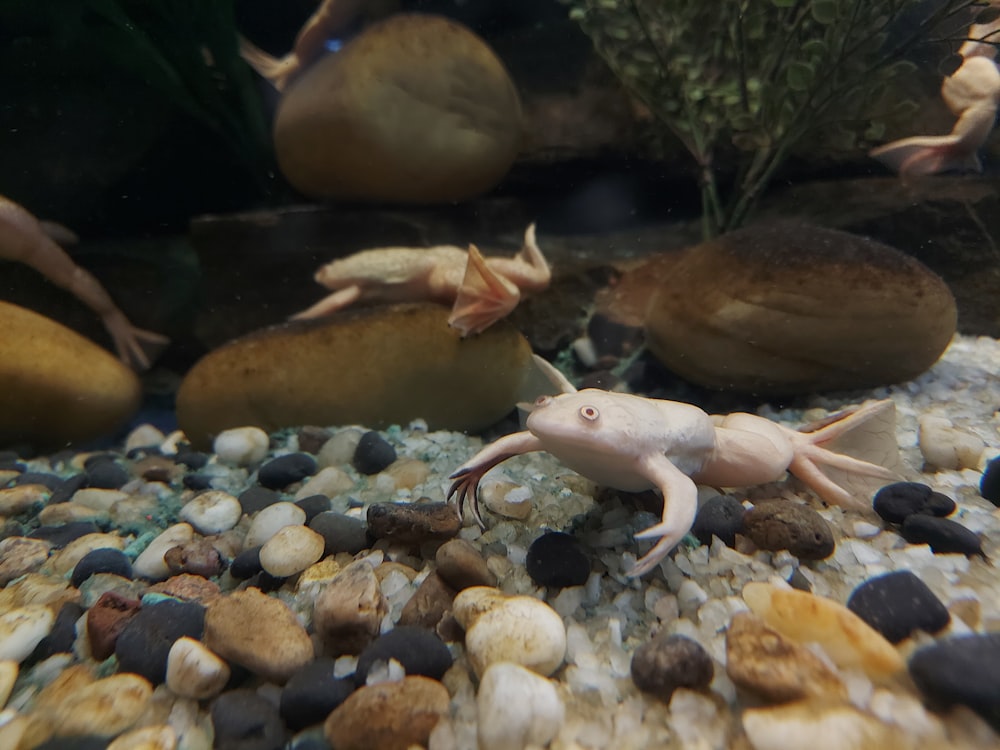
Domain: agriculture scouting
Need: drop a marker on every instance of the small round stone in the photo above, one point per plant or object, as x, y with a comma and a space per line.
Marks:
668, 662
291, 550
271, 520
419, 651
896, 501
282, 471
961, 670
191, 459
989, 485
412, 523
195, 672
429, 605
313, 505
212, 512
783, 525
241, 446
312, 693
197, 482
106, 473
246, 564
341, 533
373, 454
557, 559
20, 555
460, 565
517, 708
244, 720
257, 498
942, 534
897, 604
144, 645
198, 557
150, 563
720, 516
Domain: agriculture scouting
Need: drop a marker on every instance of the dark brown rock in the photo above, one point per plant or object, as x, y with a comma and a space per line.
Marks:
197, 557
429, 603
349, 611
668, 662
461, 565
411, 523
105, 621
781, 524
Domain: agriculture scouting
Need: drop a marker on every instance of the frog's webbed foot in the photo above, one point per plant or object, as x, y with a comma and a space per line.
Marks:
483, 298
127, 338
330, 304
680, 505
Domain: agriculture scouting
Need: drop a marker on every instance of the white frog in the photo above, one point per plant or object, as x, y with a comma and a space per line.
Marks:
634, 443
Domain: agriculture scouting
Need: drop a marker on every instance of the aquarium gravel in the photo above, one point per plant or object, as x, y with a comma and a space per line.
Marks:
322, 603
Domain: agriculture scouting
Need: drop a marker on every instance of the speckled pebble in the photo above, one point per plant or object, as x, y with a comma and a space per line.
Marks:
17, 500
105, 621
312, 693
760, 659
461, 565
348, 612
784, 525
388, 716
193, 671
412, 523
22, 629
989, 485
897, 604
244, 720
419, 651
282, 471
518, 629
198, 557
20, 555
106, 707
271, 520
507, 499
516, 709
277, 645
667, 662
943, 535
291, 550
720, 516
61, 513
212, 512
896, 501
373, 454
150, 563
961, 670
558, 560
241, 446
340, 533
144, 645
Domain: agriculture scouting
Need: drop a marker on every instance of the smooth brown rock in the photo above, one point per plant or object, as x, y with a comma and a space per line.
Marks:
392, 364
57, 387
412, 523
787, 307
258, 632
429, 603
349, 611
415, 109
389, 715
760, 659
461, 565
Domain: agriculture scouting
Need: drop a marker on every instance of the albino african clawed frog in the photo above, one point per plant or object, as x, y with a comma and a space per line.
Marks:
633, 443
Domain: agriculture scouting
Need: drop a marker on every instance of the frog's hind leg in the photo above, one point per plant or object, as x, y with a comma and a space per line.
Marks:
331, 303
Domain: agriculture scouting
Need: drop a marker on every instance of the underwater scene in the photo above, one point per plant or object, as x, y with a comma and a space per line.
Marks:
500, 375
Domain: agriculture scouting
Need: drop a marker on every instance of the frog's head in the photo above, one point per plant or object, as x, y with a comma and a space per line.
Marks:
590, 418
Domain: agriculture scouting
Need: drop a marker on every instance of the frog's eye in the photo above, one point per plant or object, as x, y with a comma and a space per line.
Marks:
542, 400
590, 413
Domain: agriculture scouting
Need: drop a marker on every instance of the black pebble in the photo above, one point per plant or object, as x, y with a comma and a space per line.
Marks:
244, 720
314, 505
557, 559
897, 604
341, 533
720, 516
145, 642
282, 471
420, 652
84, 742
668, 662
68, 487
197, 482
943, 535
60, 639
192, 459
373, 453
895, 502
105, 473
60, 536
256, 499
246, 564
989, 485
961, 670
312, 693
104, 560
37, 477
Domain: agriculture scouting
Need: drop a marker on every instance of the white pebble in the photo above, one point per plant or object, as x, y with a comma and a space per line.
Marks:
193, 671
291, 550
330, 481
271, 520
98, 499
22, 629
945, 446
339, 449
242, 446
212, 512
8, 676
150, 563
517, 709
143, 436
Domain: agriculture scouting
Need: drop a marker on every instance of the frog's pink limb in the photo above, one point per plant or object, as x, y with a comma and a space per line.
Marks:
331, 303
528, 269
483, 298
680, 504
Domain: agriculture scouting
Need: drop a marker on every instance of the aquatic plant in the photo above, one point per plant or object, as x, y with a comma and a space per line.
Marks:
752, 79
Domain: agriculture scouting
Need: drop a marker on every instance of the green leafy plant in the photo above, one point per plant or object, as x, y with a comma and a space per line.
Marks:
754, 78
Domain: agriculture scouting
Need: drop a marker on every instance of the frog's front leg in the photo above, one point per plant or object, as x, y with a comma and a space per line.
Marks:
469, 474
680, 504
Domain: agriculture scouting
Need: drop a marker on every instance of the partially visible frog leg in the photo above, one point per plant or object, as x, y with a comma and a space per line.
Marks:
680, 505
483, 298
331, 303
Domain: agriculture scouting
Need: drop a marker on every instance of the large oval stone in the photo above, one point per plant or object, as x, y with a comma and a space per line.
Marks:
56, 386
787, 307
415, 109
374, 366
